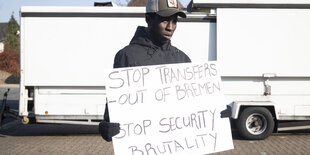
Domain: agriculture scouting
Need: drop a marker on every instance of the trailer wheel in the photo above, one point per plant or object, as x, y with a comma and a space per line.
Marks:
25, 120
255, 123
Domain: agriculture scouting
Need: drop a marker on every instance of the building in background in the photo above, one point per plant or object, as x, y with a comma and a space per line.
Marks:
2, 35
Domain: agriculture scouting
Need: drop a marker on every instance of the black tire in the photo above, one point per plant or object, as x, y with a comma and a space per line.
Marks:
255, 123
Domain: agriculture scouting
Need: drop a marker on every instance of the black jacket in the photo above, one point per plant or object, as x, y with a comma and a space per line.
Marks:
142, 52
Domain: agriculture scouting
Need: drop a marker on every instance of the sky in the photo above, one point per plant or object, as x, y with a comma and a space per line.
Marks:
7, 7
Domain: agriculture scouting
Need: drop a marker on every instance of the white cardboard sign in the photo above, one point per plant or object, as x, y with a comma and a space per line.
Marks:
168, 109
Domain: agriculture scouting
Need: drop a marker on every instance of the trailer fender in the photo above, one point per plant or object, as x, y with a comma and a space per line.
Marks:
237, 106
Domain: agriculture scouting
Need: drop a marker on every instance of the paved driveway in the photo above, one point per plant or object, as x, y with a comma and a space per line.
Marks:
16, 138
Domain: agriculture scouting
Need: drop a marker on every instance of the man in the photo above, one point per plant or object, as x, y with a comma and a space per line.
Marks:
150, 46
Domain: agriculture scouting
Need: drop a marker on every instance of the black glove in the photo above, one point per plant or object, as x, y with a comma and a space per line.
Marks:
108, 130
226, 112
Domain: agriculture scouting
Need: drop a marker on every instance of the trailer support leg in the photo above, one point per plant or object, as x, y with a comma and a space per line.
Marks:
5, 109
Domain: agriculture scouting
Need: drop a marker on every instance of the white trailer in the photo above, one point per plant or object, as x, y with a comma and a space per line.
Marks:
262, 48
65, 50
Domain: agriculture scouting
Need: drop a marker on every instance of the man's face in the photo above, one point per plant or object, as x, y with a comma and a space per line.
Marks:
162, 28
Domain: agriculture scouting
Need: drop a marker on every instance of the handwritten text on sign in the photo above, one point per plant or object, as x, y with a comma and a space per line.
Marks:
168, 109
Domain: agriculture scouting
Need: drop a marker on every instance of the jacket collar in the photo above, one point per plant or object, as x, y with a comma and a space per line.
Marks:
142, 37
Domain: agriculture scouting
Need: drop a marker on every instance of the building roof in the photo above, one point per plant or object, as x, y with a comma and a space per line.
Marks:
3, 31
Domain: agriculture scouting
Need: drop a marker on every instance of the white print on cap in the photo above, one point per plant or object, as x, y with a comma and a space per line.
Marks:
172, 3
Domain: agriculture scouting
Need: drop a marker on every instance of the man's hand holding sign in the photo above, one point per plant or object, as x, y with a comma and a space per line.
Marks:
168, 109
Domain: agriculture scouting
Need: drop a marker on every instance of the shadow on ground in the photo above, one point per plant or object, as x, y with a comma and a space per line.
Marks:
18, 129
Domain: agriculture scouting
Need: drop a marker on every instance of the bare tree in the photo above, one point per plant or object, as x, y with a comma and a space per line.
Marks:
121, 2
